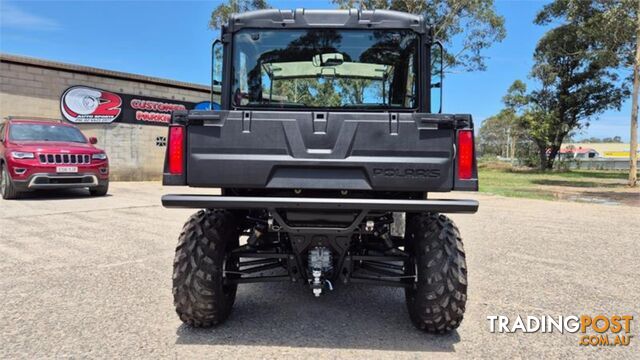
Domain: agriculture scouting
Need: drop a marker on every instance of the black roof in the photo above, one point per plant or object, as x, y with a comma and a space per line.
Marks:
305, 18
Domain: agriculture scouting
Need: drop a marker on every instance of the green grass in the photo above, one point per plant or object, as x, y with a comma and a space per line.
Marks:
540, 185
597, 174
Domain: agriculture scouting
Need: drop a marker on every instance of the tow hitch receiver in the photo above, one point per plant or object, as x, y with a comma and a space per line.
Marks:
320, 267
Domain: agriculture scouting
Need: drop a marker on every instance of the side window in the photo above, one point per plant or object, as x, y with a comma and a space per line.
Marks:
2, 132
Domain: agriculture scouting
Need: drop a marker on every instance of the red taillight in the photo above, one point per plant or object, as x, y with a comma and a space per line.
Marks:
176, 150
465, 154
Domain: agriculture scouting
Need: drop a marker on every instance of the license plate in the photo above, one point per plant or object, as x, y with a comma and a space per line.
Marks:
66, 169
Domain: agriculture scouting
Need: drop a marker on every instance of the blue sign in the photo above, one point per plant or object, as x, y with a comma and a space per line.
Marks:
207, 105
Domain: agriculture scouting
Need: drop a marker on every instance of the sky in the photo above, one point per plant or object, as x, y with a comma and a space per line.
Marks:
171, 39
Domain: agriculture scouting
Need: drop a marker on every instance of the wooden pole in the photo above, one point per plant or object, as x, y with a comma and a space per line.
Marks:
633, 146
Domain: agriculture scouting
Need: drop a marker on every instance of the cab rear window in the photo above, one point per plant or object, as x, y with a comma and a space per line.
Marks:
325, 68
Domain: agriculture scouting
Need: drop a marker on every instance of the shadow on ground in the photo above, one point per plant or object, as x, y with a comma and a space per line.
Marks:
58, 194
572, 183
350, 317
607, 197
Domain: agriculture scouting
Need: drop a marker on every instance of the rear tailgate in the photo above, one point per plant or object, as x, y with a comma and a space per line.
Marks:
321, 150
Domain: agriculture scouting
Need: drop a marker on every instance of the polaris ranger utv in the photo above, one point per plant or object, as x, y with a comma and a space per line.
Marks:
329, 139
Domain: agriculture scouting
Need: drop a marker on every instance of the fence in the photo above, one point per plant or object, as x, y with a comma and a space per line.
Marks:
599, 164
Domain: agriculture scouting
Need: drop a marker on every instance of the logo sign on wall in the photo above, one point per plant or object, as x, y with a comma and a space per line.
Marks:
83, 104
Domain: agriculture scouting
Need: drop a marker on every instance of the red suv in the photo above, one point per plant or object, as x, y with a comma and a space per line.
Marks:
36, 154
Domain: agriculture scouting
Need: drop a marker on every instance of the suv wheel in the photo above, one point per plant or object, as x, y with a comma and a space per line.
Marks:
100, 190
436, 302
7, 189
199, 294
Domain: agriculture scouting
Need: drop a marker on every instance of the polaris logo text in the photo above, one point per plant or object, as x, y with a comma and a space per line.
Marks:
409, 173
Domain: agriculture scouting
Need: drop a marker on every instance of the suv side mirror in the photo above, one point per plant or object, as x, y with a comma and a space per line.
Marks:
437, 75
93, 140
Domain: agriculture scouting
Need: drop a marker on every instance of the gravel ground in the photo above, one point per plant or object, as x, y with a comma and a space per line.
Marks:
91, 277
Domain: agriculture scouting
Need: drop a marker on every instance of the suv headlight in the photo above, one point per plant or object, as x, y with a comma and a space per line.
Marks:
22, 155
100, 156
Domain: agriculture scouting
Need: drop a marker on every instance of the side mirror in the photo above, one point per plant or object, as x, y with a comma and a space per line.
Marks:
437, 75
93, 140
216, 63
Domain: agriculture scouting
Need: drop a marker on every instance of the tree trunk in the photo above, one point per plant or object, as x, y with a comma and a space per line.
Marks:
552, 156
633, 146
542, 152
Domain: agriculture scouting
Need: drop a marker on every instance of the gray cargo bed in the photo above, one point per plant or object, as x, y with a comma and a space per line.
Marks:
380, 151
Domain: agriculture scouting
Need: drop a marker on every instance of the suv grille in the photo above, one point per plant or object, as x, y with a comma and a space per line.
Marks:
64, 159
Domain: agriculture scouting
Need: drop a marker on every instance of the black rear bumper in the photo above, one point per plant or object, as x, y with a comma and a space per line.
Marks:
255, 202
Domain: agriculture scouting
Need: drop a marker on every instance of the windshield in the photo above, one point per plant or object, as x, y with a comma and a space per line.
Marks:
45, 132
325, 68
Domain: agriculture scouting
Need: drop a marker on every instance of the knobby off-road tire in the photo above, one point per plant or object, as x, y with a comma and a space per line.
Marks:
199, 295
436, 303
7, 189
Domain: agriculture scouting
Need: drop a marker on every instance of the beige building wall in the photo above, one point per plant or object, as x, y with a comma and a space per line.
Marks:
32, 88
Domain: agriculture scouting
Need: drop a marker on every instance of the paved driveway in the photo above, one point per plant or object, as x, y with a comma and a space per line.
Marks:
91, 277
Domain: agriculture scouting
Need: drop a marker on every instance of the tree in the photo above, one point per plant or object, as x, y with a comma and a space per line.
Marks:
503, 134
221, 13
615, 139
495, 135
466, 27
611, 29
295, 90
353, 90
326, 94
576, 74
499, 133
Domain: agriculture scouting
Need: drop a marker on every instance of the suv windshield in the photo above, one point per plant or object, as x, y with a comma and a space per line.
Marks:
45, 132
325, 68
